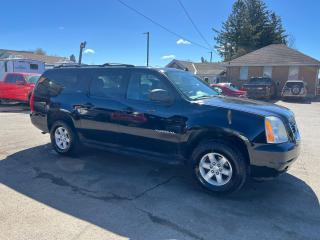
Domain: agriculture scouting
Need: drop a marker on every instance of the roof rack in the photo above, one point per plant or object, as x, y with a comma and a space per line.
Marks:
116, 65
86, 65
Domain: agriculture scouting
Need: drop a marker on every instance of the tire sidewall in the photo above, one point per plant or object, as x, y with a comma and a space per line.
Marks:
236, 160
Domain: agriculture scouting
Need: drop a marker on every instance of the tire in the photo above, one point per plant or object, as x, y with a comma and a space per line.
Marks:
296, 90
233, 181
68, 143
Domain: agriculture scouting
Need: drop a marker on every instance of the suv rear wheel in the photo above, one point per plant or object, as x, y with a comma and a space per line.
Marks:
64, 138
219, 167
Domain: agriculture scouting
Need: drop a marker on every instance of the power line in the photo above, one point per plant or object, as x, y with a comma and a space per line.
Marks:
160, 25
193, 23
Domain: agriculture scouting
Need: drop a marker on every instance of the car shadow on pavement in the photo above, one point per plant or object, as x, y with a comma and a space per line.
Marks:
141, 199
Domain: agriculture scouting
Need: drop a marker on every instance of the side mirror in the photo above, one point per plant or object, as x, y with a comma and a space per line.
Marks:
160, 95
20, 82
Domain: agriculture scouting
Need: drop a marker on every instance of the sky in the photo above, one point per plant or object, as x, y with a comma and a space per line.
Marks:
114, 33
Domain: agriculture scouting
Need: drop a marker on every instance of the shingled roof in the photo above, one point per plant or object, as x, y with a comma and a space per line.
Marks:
199, 68
4, 53
275, 55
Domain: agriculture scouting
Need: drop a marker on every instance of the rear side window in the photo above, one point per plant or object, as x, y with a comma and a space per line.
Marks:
12, 78
108, 83
54, 82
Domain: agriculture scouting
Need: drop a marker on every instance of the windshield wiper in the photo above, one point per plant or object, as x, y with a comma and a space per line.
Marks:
203, 97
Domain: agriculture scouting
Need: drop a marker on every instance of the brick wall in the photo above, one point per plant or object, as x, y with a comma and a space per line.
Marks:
255, 72
309, 75
279, 74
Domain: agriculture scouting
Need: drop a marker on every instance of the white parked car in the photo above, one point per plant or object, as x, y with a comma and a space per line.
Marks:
294, 89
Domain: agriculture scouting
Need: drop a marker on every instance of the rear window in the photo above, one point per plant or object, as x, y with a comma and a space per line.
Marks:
292, 84
54, 82
260, 81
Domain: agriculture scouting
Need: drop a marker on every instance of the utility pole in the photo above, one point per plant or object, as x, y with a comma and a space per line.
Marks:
82, 46
210, 56
148, 40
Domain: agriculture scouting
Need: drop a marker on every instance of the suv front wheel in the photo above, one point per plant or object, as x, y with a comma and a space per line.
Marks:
219, 167
64, 138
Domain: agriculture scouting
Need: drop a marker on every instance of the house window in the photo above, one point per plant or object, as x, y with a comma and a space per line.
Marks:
267, 72
293, 73
34, 66
244, 73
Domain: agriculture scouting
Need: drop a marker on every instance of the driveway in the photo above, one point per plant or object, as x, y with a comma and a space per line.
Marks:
106, 196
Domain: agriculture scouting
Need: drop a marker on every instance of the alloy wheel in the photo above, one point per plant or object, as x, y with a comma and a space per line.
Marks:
215, 169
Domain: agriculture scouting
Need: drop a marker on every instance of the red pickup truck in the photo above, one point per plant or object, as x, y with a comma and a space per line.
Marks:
17, 86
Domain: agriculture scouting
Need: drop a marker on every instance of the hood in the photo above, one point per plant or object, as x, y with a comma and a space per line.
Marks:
248, 105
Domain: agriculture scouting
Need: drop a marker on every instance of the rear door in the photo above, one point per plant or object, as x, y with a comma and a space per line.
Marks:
105, 99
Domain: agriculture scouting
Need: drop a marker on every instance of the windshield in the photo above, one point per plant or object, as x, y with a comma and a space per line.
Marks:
232, 87
191, 86
32, 78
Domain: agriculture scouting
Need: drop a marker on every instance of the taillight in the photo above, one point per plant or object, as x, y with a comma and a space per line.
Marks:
32, 102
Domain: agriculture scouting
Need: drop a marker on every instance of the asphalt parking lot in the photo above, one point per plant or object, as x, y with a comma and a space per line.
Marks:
106, 196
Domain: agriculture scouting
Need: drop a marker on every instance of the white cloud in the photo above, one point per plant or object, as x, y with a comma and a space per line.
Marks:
168, 57
89, 51
182, 41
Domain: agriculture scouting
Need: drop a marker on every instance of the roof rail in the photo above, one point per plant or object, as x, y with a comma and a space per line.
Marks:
116, 65
87, 65
69, 65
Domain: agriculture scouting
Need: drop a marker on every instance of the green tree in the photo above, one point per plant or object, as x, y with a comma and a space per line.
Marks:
39, 51
203, 60
250, 26
72, 58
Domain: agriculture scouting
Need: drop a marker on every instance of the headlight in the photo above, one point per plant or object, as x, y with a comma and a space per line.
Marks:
275, 130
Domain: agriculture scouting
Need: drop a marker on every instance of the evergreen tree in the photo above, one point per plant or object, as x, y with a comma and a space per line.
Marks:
203, 60
250, 26
72, 58
39, 51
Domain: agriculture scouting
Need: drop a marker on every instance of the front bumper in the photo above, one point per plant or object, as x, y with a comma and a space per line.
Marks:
270, 160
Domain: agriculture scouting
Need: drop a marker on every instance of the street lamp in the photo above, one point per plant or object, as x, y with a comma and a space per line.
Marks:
82, 46
148, 39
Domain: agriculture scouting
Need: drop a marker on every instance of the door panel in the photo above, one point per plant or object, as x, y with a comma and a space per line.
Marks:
98, 113
148, 125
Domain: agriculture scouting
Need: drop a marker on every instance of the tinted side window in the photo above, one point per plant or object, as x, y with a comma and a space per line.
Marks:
53, 82
11, 78
142, 83
108, 83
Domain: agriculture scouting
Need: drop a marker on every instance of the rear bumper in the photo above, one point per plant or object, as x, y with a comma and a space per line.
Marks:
40, 121
270, 160
258, 95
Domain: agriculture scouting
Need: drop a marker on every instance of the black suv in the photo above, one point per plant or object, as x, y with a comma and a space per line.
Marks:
165, 114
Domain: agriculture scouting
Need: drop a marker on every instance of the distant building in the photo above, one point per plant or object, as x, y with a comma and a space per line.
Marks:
209, 72
278, 62
50, 61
